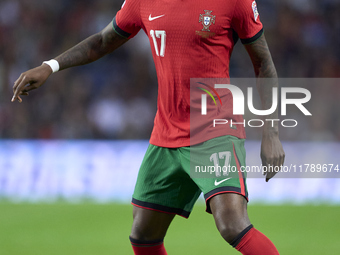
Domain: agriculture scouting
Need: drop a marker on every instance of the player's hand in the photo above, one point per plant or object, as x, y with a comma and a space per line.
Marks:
272, 155
32, 79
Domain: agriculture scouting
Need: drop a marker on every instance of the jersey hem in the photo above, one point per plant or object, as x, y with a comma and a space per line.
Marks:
188, 141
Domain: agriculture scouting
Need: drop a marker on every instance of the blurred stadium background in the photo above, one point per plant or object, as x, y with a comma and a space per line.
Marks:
66, 175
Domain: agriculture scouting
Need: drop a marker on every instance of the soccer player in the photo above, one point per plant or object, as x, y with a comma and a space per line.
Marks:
189, 39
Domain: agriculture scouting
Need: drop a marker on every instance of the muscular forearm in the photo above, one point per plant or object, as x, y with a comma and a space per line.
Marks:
91, 49
83, 53
265, 88
266, 79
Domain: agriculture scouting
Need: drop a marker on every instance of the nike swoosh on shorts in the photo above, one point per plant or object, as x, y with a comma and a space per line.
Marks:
218, 183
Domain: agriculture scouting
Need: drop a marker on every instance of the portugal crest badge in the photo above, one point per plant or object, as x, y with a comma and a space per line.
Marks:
207, 19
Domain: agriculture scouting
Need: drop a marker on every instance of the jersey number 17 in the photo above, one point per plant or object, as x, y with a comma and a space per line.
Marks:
162, 35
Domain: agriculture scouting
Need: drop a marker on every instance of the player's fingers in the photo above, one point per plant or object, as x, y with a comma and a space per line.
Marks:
18, 89
282, 160
30, 87
270, 172
17, 82
274, 168
269, 176
264, 165
267, 162
269, 169
279, 162
276, 165
23, 93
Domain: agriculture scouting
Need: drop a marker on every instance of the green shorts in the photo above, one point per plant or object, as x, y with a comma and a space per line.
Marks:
170, 180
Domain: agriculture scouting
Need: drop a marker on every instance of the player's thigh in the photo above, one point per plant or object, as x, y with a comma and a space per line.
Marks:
230, 214
149, 225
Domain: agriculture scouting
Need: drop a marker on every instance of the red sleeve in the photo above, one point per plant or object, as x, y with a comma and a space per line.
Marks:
127, 22
246, 21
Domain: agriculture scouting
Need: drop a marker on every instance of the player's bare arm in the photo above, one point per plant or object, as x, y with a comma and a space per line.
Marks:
87, 51
272, 153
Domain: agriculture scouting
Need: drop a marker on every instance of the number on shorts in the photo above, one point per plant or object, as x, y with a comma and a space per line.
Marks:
226, 155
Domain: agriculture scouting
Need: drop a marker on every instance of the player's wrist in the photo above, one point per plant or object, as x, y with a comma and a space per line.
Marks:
270, 132
53, 64
270, 135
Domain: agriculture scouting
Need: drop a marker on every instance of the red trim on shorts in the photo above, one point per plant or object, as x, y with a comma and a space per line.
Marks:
221, 192
240, 175
208, 209
157, 210
152, 209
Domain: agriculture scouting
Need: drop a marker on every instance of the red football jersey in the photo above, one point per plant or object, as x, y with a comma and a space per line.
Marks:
189, 39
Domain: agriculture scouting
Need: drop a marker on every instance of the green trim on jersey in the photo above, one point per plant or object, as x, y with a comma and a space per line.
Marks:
253, 39
118, 30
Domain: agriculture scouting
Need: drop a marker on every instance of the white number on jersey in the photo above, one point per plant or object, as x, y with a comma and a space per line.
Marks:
158, 34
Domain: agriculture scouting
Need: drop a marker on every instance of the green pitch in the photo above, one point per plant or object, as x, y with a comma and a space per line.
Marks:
88, 229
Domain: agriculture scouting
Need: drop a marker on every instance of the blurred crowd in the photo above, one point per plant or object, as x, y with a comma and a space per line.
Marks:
116, 97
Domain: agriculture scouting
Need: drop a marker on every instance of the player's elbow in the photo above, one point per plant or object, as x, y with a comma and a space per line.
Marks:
265, 69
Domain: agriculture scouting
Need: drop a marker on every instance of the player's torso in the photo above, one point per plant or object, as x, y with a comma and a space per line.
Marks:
189, 39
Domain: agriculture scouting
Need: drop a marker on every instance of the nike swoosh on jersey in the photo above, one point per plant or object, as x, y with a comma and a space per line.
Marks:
153, 18
218, 183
